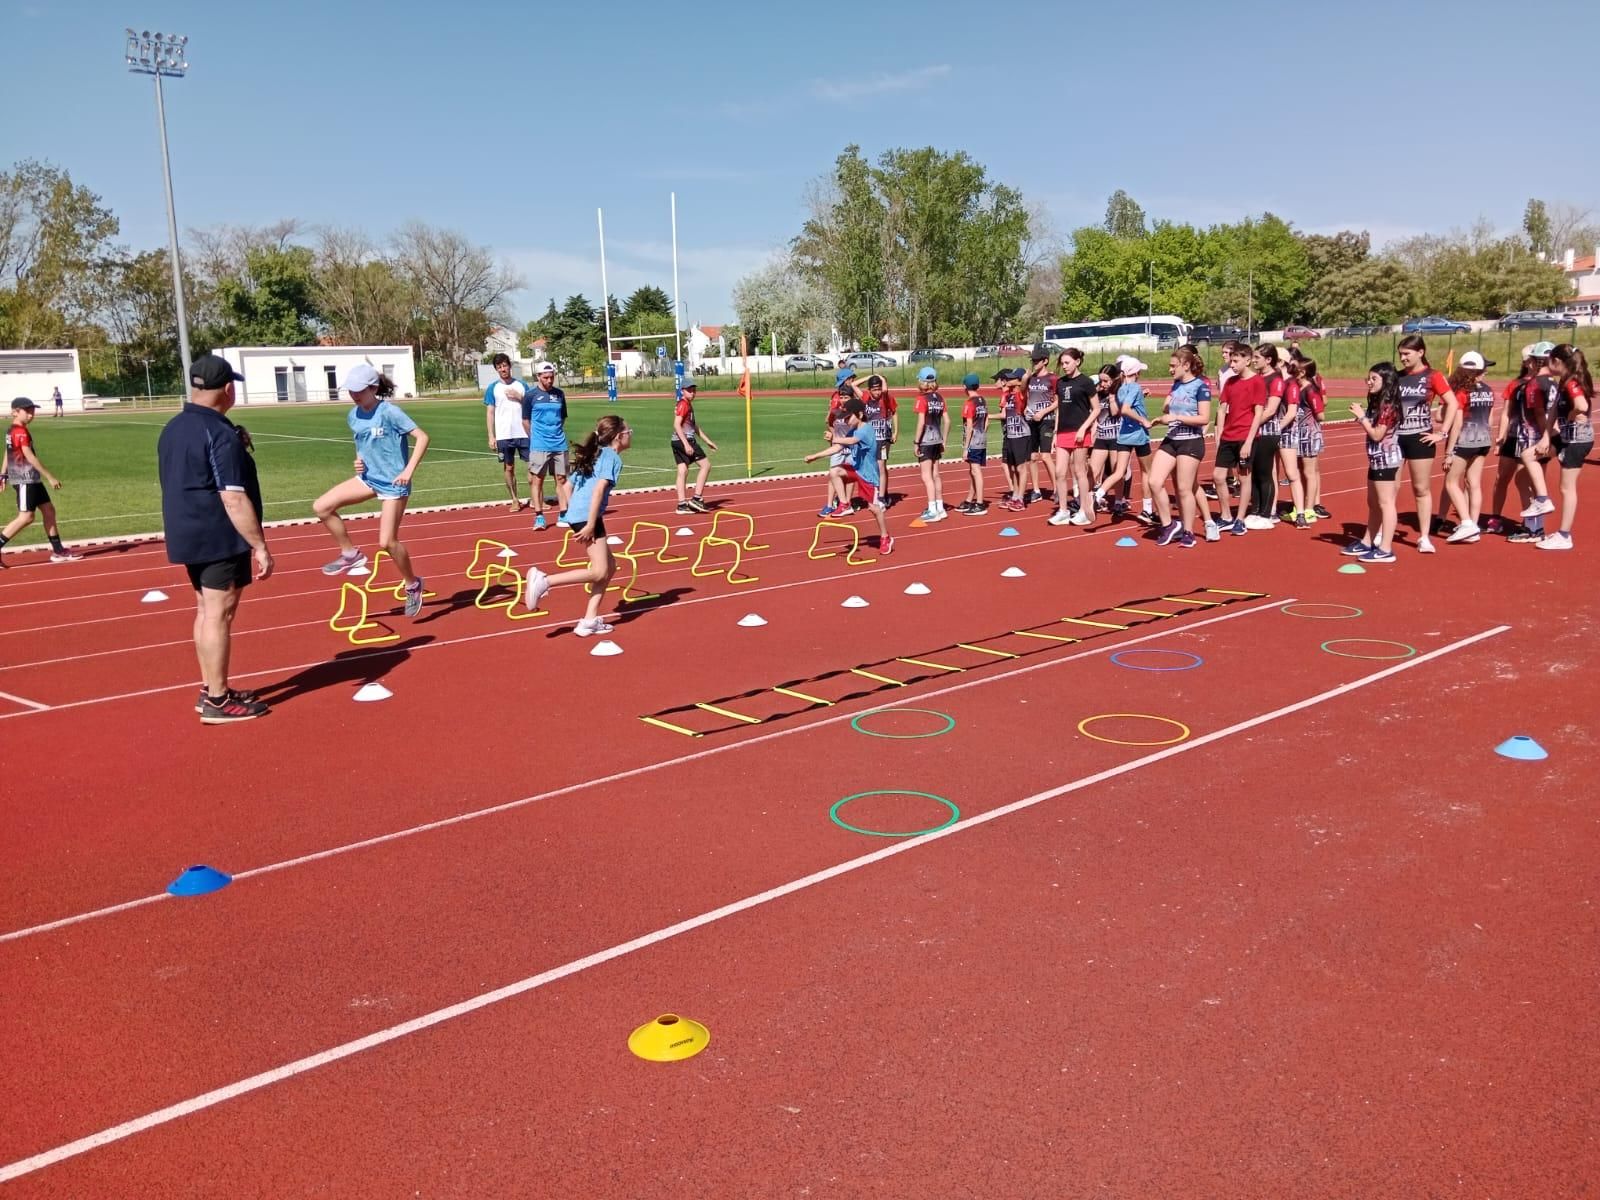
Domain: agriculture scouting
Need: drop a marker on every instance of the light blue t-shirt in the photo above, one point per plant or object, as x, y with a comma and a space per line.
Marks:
865, 459
1130, 398
607, 465
381, 439
546, 413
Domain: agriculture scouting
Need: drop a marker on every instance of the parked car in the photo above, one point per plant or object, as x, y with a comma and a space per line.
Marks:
1435, 325
929, 356
1300, 333
1357, 331
807, 362
1536, 320
1202, 334
986, 352
867, 360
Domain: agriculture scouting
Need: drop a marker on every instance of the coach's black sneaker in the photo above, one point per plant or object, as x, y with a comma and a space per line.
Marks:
685, 509
224, 710
242, 695
698, 505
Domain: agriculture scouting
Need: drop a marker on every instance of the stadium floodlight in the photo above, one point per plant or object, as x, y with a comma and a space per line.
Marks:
157, 54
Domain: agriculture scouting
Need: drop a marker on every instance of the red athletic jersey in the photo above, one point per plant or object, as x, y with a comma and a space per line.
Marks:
18, 469
1242, 397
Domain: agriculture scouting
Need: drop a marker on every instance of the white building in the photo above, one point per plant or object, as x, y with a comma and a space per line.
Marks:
705, 341
1584, 276
502, 341
37, 373
297, 374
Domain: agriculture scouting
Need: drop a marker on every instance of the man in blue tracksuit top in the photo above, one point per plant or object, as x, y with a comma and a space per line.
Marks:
544, 417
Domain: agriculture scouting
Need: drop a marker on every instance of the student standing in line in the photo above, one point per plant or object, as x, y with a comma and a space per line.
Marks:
1040, 404
1308, 440
596, 467
1107, 423
1569, 433
544, 419
1262, 511
933, 430
883, 413
1504, 437
1467, 443
1243, 397
1418, 387
1017, 446
1289, 429
383, 471
508, 435
26, 473
1183, 449
1078, 410
1380, 421
1133, 441
974, 445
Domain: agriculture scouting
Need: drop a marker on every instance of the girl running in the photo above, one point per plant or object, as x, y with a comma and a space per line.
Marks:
1570, 433
596, 466
1107, 424
382, 471
1418, 387
1380, 420
1308, 439
1467, 442
1182, 450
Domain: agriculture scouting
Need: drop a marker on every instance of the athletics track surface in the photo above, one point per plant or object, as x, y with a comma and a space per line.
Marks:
1325, 944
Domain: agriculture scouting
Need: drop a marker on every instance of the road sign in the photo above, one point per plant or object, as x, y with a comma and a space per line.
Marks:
661, 351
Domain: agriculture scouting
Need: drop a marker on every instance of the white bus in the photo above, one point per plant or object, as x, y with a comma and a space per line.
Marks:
1159, 332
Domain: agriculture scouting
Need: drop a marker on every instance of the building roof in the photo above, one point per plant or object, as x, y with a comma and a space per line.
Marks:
711, 331
1584, 265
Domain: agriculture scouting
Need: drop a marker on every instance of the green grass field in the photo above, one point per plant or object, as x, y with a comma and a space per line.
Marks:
107, 460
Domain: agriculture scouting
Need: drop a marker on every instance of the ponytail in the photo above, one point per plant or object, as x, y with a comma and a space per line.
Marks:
1576, 367
585, 452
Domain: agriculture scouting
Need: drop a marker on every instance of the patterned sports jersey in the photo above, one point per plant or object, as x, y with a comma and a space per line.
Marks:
1109, 421
1041, 390
1185, 401
1277, 389
976, 414
685, 413
1575, 426
880, 411
18, 468
1417, 391
1476, 405
1384, 453
1013, 414
931, 405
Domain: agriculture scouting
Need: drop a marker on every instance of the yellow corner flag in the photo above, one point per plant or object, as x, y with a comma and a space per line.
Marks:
1450, 362
744, 390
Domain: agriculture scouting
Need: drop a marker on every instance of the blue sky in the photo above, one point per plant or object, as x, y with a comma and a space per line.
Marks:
512, 122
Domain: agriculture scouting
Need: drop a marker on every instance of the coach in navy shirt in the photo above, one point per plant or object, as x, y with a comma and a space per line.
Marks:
211, 515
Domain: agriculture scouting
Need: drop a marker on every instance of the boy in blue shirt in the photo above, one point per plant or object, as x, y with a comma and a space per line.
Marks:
862, 470
544, 418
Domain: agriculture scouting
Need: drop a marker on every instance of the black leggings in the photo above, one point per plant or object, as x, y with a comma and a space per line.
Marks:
1264, 477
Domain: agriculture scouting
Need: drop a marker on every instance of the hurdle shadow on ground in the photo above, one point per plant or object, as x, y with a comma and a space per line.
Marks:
1352, 531
629, 611
353, 666
455, 602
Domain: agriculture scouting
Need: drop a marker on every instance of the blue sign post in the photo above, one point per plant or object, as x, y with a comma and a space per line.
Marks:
611, 382
677, 377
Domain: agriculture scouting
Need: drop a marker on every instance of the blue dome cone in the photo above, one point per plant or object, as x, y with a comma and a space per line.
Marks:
198, 880
1521, 747
1126, 541
1009, 532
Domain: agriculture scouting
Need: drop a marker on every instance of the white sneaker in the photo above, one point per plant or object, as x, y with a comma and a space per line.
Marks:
933, 515
1080, 518
588, 628
1467, 531
1060, 517
1424, 546
535, 589
1538, 508
1213, 532
1256, 522
1555, 541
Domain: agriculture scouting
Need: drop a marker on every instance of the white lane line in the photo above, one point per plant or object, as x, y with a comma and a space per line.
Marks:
650, 768
23, 700
300, 1066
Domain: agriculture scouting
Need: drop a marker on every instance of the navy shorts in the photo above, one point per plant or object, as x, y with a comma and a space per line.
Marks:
978, 457
511, 449
1017, 451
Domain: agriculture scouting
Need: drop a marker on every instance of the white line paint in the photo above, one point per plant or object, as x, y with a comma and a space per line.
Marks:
382, 1037
650, 768
23, 700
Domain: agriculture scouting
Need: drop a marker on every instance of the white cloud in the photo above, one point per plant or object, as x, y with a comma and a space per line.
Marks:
706, 274
856, 89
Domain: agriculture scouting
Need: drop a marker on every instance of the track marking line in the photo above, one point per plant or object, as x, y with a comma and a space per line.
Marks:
311, 1062
25, 702
650, 768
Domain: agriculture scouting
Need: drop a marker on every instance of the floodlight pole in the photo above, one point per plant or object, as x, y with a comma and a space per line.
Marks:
160, 55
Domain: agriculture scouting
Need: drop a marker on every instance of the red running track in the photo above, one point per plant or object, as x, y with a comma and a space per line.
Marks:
1329, 944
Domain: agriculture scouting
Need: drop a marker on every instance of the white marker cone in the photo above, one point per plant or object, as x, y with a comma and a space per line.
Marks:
605, 649
1013, 573
853, 602
684, 532
359, 571
752, 621
919, 589
152, 597
613, 540
508, 552
369, 692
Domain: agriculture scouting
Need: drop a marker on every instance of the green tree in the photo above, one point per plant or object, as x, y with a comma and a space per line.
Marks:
56, 257
843, 244
1374, 291
647, 299
1536, 224
1259, 272
271, 303
1124, 218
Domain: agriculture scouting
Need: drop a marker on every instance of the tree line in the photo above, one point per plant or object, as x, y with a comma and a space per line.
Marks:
65, 280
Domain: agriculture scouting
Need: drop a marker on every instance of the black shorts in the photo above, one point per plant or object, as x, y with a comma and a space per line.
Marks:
1414, 449
511, 449
931, 453
1508, 448
1571, 454
1043, 433
1018, 450
684, 457
1142, 449
1382, 474
221, 575
1230, 455
1107, 444
1471, 452
1184, 447
599, 527
31, 496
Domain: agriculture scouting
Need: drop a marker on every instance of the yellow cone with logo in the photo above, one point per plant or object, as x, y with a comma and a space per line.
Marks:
669, 1038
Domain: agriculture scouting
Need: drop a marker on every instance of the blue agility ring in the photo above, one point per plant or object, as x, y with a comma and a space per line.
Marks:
1195, 660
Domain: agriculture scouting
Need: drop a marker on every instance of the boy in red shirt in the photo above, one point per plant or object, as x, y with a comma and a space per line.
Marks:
686, 439
1243, 398
25, 472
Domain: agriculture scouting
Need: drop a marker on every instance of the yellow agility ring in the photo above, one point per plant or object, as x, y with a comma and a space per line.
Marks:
1184, 731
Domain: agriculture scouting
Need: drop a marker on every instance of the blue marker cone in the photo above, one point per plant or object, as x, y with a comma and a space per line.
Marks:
198, 880
1126, 542
1521, 747
1009, 532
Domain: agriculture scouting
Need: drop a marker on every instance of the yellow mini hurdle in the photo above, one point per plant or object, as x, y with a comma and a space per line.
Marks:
352, 621
850, 555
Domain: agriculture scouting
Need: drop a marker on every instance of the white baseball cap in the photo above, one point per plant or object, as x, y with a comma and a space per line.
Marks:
360, 377
1130, 365
1473, 361
543, 367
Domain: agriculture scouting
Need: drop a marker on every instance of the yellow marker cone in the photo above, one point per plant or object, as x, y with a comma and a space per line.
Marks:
669, 1038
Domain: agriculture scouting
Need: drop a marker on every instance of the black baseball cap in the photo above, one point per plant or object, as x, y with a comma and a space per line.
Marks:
1006, 374
22, 402
690, 385
212, 371
1040, 354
